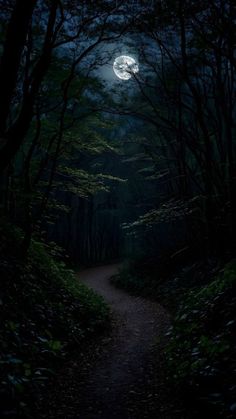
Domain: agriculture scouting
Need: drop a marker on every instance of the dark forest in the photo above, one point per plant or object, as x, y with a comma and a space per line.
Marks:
117, 209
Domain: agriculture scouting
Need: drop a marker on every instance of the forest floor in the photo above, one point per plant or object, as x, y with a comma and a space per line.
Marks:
122, 374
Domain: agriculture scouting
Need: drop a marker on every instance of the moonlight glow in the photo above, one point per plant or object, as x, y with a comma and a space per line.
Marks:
124, 66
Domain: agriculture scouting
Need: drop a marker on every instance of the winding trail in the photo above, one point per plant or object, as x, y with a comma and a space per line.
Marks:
123, 378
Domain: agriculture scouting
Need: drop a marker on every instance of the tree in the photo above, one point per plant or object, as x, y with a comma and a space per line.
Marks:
187, 51
50, 34
63, 28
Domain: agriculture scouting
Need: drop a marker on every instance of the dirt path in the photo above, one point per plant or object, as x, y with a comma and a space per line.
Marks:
124, 380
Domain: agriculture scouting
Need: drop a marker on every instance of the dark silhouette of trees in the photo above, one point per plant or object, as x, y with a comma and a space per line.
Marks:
189, 91
55, 32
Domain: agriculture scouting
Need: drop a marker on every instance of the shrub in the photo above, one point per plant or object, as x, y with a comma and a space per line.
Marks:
201, 351
45, 312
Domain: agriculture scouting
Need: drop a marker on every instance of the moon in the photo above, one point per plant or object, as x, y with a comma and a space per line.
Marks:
124, 66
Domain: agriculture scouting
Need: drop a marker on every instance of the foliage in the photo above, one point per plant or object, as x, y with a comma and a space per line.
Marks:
201, 350
83, 183
45, 312
135, 282
167, 212
59, 159
200, 358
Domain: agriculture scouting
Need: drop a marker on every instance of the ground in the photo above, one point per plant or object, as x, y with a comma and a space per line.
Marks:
122, 376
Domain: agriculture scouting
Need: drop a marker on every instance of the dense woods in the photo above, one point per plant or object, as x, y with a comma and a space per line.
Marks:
96, 169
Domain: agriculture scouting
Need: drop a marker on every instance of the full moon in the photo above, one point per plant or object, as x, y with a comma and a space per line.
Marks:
124, 66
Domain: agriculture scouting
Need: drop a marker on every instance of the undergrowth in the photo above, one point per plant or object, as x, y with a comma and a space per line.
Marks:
201, 352
201, 360
45, 312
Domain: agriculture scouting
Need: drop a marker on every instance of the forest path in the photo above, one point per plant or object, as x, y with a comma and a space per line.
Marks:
123, 377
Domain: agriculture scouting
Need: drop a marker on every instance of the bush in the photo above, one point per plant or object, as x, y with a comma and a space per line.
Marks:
45, 312
201, 351
130, 279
